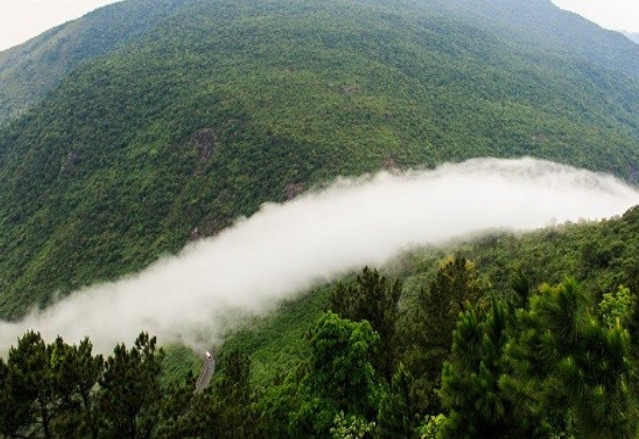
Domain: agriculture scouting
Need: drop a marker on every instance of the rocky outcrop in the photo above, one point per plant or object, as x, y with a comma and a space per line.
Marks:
206, 141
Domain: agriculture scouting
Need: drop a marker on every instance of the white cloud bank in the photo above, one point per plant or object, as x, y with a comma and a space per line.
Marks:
286, 248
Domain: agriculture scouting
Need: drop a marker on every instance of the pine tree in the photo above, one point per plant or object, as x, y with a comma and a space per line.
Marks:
428, 334
77, 372
456, 284
30, 399
398, 409
375, 299
472, 388
233, 405
572, 368
48, 389
130, 393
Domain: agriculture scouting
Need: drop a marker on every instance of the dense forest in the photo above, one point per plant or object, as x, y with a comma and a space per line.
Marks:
223, 105
442, 345
143, 126
30, 71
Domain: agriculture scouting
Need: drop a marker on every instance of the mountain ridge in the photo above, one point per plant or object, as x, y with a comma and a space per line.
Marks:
30, 70
45, 59
633, 36
227, 105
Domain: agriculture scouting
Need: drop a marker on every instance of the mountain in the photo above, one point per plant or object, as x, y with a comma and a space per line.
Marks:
634, 36
600, 255
383, 355
539, 24
29, 71
588, 263
218, 106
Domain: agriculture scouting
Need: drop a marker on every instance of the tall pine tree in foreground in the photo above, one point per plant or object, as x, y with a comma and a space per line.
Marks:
573, 368
130, 392
471, 389
375, 299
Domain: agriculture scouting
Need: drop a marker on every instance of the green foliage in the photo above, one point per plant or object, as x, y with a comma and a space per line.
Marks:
456, 285
30, 71
257, 101
555, 366
471, 381
515, 265
47, 390
29, 396
336, 387
572, 368
429, 328
340, 366
77, 371
431, 425
179, 362
281, 407
617, 308
372, 298
398, 413
130, 390
279, 343
233, 409
350, 427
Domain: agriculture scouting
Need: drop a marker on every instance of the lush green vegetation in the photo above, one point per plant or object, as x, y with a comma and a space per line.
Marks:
29, 71
215, 106
537, 23
225, 105
438, 347
600, 256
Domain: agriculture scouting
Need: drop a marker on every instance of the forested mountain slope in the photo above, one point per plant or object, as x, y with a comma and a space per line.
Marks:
227, 104
539, 23
466, 341
29, 71
512, 273
599, 255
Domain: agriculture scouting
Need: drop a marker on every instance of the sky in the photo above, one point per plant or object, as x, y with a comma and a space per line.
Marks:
21, 20
612, 14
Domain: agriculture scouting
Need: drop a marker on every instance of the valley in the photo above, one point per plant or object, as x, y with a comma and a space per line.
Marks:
219, 173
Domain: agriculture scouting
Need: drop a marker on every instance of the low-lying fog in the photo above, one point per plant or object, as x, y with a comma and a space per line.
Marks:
286, 248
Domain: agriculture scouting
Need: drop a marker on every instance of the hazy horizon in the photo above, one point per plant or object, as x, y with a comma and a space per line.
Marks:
24, 20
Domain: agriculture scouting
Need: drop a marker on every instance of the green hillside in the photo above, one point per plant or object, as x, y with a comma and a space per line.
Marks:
29, 71
538, 24
600, 256
471, 341
227, 104
162, 121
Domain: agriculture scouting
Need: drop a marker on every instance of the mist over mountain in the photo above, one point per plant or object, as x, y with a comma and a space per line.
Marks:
175, 166
190, 116
633, 36
289, 248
